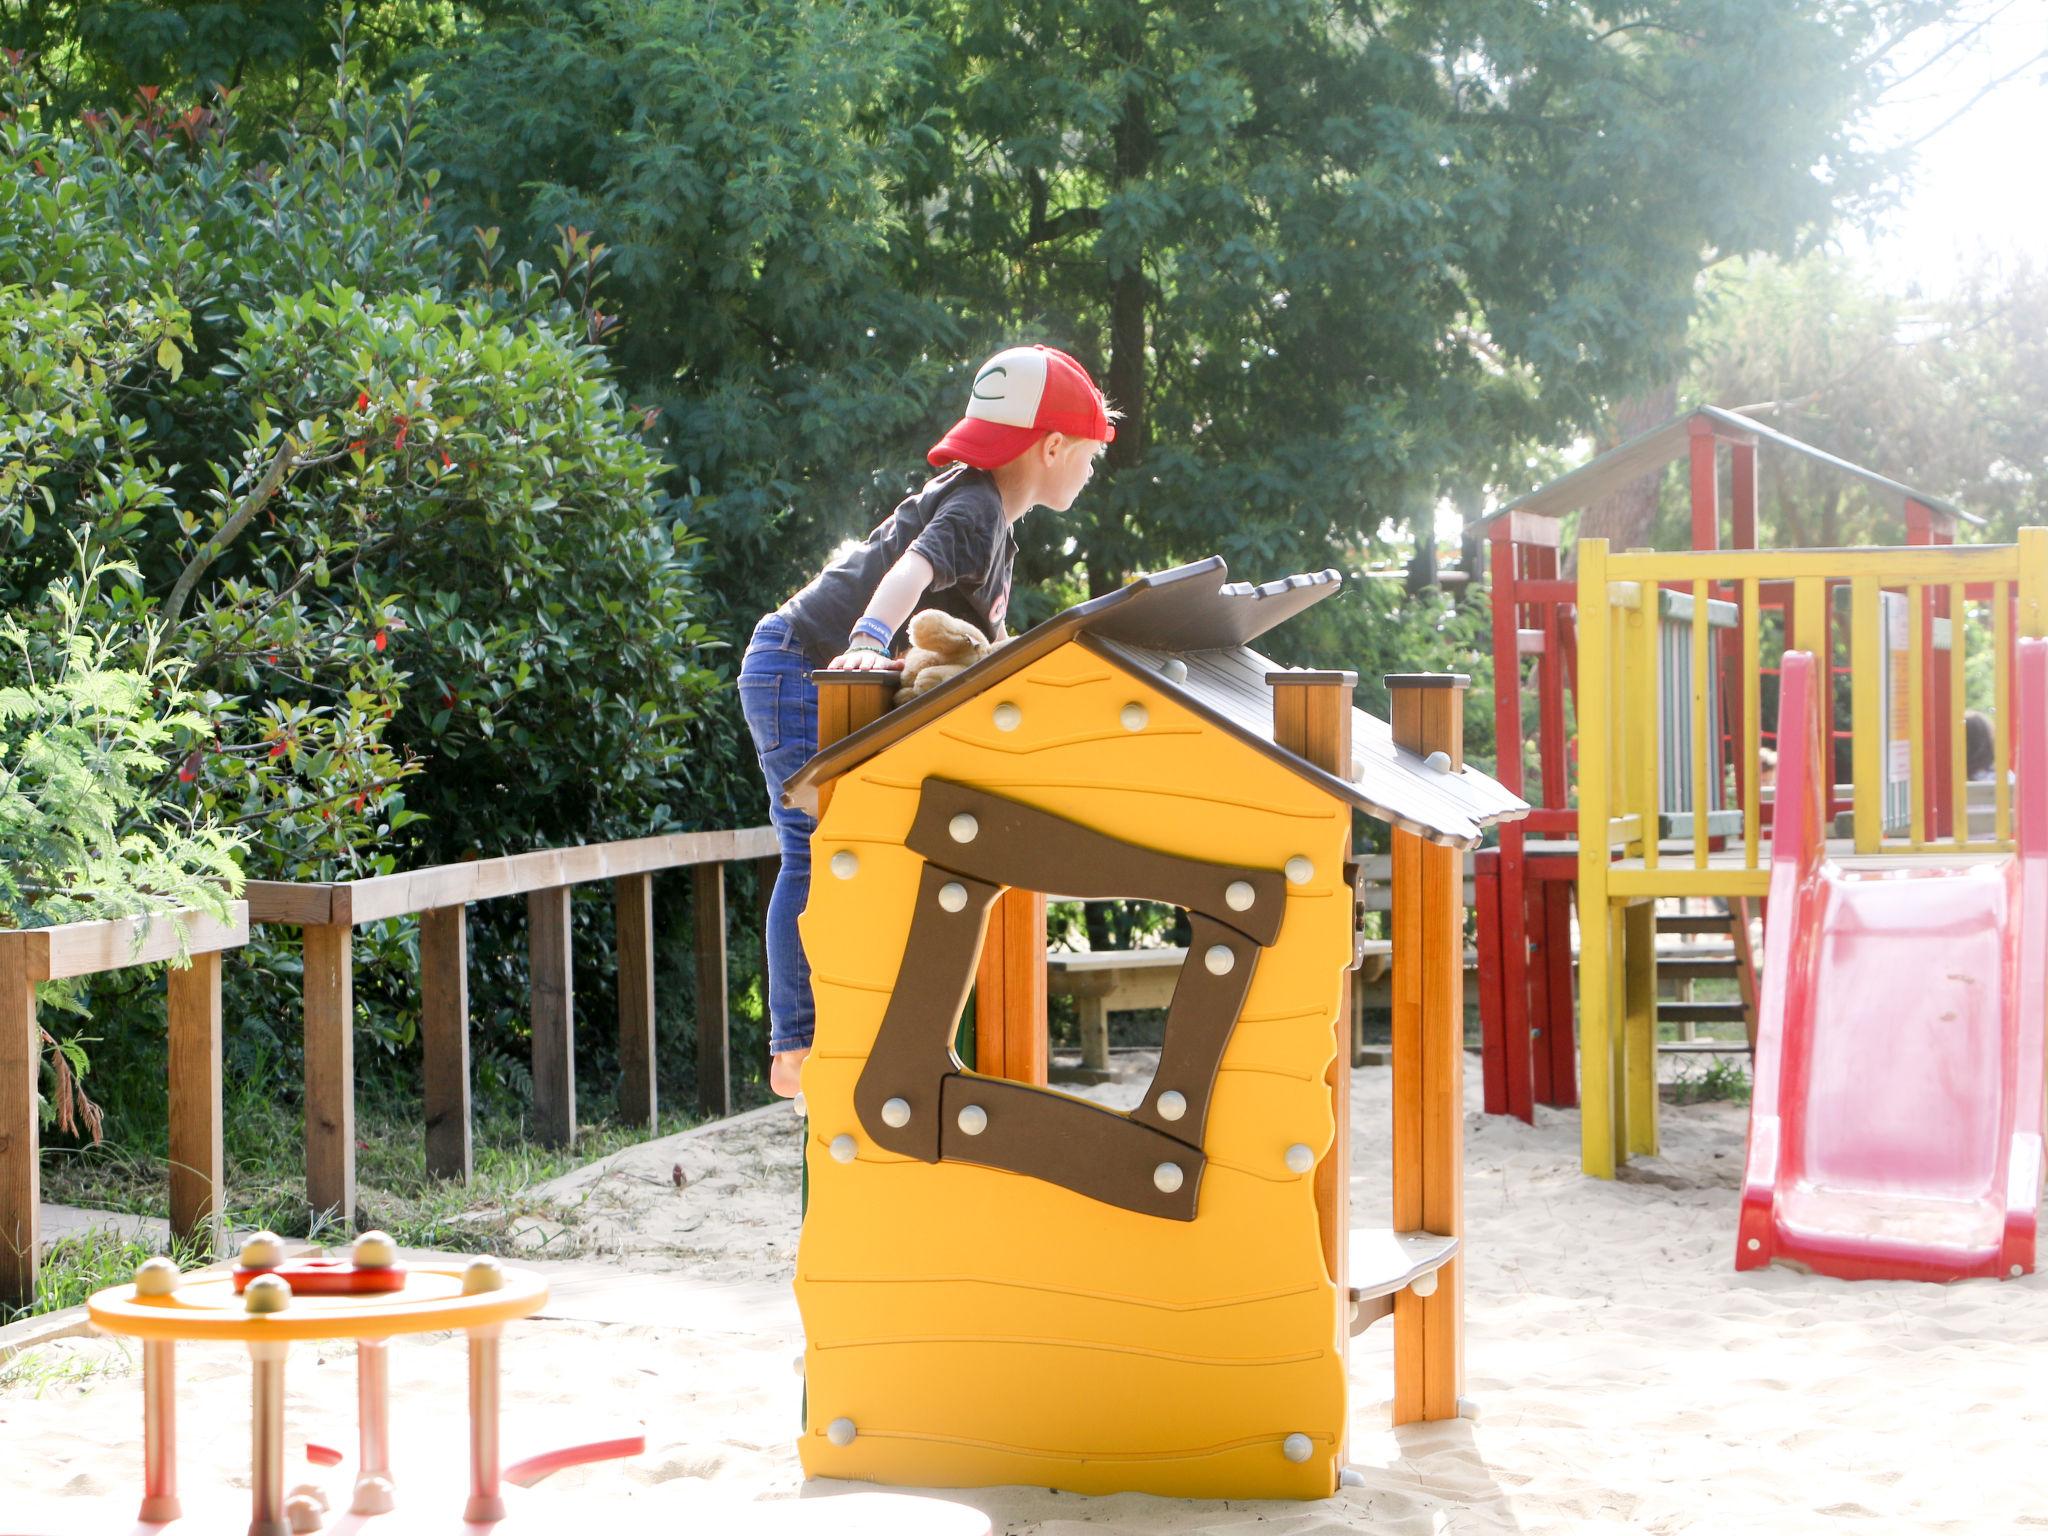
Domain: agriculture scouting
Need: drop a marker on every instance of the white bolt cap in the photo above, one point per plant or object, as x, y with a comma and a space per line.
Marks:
1135, 717
896, 1113
953, 896
846, 863
1008, 716
374, 1495
1754, 1244
1468, 1408
302, 1514
1424, 1285
796, 1363
1297, 1447
973, 1119
1350, 1477
843, 1148
840, 1431
374, 1250
1299, 870
963, 827
1300, 1158
802, 1109
1167, 1178
2018, 1270
1175, 669
156, 1277
1219, 959
1439, 762
262, 1250
1239, 895
1172, 1105
266, 1293
482, 1275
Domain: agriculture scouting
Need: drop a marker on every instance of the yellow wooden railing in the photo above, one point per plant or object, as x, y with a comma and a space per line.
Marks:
1989, 593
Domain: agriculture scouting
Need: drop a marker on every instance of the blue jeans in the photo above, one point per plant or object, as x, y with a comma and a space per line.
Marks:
781, 705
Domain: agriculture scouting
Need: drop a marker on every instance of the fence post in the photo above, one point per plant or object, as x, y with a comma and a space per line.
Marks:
1429, 1060
554, 1016
330, 1008
633, 906
714, 1059
198, 1165
20, 1172
444, 1039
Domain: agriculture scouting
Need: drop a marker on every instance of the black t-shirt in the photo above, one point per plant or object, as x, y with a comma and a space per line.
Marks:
957, 523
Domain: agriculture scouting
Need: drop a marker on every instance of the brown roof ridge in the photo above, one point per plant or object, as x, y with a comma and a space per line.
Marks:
1187, 608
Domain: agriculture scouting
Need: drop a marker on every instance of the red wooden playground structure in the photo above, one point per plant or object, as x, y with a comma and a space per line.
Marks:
1524, 887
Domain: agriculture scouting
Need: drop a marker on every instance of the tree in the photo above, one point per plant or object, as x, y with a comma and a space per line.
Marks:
1947, 394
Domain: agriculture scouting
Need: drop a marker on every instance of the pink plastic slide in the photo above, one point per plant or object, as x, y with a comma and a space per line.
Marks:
1895, 1123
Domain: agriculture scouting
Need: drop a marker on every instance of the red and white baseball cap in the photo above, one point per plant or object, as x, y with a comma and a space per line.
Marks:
1017, 397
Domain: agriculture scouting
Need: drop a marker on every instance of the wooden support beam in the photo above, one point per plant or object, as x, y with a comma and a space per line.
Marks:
633, 905
553, 1007
1010, 991
198, 1161
329, 987
1705, 485
444, 1039
1429, 1064
714, 1045
20, 1168
847, 701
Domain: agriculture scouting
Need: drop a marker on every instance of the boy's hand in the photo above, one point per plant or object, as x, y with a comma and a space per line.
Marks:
784, 1071
865, 661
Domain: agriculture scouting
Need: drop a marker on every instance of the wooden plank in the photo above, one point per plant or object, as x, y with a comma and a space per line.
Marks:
20, 1165
198, 1158
1596, 721
444, 1040
289, 901
115, 944
1443, 1127
328, 985
1406, 1145
1557, 1043
1492, 1036
633, 907
524, 873
1639, 1027
552, 1007
1010, 991
714, 1043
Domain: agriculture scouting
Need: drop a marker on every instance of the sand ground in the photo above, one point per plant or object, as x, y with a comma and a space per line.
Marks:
1626, 1378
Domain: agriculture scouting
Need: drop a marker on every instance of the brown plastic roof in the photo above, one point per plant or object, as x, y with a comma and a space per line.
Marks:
1666, 444
1191, 614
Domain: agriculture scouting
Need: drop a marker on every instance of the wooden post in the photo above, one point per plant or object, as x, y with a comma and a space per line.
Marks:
554, 1016
1429, 1062
846, 702
633, 904
1312, 719
198, 1163
330, 1005
444, 1039
714, 1060
1010, 991
1705, 484
20, 1169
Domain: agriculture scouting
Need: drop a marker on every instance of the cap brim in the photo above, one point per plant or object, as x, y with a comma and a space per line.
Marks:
983, 444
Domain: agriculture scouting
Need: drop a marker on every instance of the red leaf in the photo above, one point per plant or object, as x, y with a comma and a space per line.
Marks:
363, 401
278, 750
380, 641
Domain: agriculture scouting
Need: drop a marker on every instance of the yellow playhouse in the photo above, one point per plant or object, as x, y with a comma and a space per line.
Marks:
1001, 1283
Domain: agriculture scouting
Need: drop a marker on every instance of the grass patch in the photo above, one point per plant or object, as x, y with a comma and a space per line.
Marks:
1724, 1080
72, 1268
34, 1372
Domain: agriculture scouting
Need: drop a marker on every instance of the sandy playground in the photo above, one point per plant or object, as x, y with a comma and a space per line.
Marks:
1626, 1378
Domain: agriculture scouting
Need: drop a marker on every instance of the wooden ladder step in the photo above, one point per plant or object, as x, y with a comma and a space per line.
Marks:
1704, 1047
1694, 922
1701, 1013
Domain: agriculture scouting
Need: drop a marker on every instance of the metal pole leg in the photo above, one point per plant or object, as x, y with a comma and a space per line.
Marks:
486, 1503
373, 1493
266, 1434
159, 1432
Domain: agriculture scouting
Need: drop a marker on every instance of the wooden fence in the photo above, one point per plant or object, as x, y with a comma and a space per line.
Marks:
36, 955
329, 914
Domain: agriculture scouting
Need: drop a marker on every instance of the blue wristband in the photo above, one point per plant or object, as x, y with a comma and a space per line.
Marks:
873, 629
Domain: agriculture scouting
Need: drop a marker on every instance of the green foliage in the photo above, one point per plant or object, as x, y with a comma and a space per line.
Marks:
398, 529
1947, 393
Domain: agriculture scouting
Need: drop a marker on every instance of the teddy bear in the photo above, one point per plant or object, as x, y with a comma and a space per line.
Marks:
941, 646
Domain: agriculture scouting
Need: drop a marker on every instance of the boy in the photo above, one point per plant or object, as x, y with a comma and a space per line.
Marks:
1035, 425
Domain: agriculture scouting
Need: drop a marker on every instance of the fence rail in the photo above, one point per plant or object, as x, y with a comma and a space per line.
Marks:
33, 955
